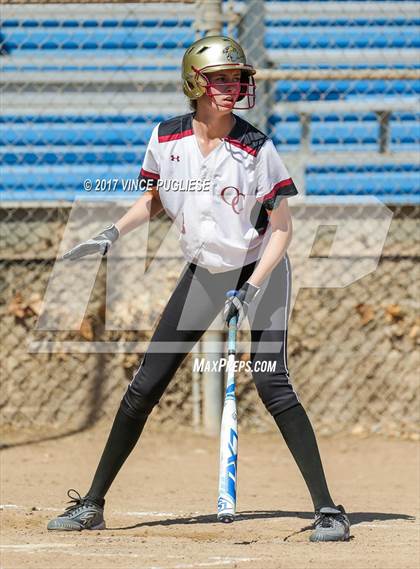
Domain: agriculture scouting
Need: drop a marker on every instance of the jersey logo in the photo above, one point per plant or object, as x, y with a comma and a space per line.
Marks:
175, 157
233, 197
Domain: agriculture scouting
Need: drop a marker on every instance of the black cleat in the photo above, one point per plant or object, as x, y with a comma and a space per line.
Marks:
331, 524
82, 514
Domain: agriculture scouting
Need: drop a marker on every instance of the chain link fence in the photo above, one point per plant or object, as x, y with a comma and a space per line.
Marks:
83, 85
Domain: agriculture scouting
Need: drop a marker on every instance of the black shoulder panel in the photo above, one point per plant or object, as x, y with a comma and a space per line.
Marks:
176, 127
248, 136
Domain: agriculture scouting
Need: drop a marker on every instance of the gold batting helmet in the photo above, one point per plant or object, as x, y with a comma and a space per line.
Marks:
216, 53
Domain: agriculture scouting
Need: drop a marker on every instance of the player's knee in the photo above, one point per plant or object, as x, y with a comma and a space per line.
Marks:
137, 404
280, 404
275, 391
261, 383
267, 381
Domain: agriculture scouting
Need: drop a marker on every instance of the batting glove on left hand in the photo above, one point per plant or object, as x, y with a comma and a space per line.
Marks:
238, 305
99, 244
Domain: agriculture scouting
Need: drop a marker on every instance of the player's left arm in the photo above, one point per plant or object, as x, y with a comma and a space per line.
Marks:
281, 222
274, 185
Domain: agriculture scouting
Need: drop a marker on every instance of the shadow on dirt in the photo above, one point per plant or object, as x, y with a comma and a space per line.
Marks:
355, 518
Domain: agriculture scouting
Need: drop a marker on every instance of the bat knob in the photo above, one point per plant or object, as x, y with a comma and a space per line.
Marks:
231, 293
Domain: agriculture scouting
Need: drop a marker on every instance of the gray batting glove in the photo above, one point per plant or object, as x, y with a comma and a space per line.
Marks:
238, 305
99, 244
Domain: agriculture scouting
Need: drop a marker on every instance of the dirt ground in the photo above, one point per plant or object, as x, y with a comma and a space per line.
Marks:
160, 511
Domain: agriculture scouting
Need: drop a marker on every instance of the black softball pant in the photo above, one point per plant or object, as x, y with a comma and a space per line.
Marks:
196, 301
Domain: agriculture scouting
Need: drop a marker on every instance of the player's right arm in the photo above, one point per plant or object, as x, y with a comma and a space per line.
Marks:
146, 207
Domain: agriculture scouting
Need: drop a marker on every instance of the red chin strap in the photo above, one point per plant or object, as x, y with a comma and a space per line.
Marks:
239, 92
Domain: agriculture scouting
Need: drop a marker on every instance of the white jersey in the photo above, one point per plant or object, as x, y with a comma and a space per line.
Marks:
218, 202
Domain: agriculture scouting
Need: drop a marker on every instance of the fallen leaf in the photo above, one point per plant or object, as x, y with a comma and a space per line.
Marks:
35, 304
393, 312
16, 306
86, 329
366, 313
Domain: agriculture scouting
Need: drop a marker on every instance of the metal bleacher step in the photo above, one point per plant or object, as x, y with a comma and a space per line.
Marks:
84, 84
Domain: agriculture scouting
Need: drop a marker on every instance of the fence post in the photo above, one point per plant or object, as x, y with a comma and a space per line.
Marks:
384, 131
302, 160
210, 22
213, 383
196, 388
251, 32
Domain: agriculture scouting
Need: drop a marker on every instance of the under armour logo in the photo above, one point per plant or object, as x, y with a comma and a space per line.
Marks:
174, 157
231, 196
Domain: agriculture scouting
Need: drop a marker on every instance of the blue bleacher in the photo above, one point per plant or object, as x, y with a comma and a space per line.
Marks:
336, 133
335, 90
389, 183
52, 35
48, 157
78, 134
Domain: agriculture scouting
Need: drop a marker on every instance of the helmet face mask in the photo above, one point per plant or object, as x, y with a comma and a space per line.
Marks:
212, 54
227, 94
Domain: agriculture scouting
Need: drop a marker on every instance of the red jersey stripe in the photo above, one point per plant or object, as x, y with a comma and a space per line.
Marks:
248, 149
282, 184
148, 174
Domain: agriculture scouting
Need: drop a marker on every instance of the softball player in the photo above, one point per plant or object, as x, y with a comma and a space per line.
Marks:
234, 229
